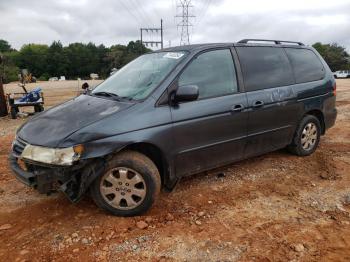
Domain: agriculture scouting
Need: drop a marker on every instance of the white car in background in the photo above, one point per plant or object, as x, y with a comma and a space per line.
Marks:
94, 76
342, 74
113, 71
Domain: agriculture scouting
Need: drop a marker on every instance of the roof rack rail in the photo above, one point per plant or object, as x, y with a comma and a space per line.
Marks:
277, 42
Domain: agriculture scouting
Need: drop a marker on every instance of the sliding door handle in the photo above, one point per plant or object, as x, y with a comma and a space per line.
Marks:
237, 108
258, 103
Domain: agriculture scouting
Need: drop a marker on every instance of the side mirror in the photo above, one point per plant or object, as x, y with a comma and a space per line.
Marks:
85, 86
186, 93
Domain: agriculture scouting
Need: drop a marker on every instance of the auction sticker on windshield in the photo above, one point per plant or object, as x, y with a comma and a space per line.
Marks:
173, 55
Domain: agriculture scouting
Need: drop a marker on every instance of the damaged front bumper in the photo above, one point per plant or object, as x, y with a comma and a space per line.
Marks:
73, 180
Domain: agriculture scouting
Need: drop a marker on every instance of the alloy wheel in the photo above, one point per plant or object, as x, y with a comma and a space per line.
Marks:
309, 136
123, 188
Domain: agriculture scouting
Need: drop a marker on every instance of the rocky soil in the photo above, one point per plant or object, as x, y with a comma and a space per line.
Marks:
275, 207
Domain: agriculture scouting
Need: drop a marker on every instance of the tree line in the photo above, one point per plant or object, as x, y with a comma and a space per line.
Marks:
80, 60
72, 61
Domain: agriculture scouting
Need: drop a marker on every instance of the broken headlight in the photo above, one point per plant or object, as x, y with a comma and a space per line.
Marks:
54, 156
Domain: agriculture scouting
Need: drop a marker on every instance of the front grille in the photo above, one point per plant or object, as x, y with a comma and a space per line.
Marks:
18, 147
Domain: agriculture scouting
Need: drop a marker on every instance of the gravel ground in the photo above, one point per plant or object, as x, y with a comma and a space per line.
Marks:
275, 207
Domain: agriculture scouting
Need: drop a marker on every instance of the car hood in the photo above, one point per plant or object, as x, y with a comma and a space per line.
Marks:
51, 127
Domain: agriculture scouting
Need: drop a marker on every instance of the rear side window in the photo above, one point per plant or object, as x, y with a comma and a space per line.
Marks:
264, 67
213, 72
307, 66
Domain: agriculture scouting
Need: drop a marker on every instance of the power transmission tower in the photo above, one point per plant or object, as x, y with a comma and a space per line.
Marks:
185, 23
151, 30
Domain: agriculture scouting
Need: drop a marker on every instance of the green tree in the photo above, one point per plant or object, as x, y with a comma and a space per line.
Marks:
11, 71
81, 59
133, 50
57, 60
114, 57
4, 46
335, 55
34, 58
119, 55
9, 67
72, 61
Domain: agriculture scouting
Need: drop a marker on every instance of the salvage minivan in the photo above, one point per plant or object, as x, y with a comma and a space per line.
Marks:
176, 112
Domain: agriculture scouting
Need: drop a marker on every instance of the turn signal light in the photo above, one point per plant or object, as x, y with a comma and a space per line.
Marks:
78, 149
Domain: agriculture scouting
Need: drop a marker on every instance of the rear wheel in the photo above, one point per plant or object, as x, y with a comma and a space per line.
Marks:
307, 136
129, 185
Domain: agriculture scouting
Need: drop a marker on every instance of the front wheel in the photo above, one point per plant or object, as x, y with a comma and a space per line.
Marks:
129, 185
306, 137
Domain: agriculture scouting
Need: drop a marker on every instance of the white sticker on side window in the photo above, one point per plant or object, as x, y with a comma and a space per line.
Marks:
173, 55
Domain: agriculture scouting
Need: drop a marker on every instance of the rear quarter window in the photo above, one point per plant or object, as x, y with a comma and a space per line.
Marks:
264, 67
306, 65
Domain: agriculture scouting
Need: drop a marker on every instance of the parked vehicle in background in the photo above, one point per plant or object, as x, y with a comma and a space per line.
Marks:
26, 77
94, 76
176, 112
113, 71
53, 79
62, 78
342, 74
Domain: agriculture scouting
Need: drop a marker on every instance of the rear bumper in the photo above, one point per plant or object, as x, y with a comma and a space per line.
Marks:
329, 118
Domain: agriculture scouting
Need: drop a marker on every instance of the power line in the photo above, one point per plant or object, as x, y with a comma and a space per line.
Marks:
139, 10
143, 10
204, 10
129, 11
185, 23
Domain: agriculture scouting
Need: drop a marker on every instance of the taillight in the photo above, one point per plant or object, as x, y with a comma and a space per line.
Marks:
335, 89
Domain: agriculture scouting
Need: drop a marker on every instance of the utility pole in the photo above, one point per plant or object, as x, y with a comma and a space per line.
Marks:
3, 106
151, 30
185, 23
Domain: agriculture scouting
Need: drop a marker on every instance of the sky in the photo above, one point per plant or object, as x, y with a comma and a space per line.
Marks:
111, 22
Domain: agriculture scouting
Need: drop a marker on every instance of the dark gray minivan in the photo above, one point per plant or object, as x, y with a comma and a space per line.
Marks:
173, 113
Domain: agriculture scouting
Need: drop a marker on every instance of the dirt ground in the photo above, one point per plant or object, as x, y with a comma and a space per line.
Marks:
276, 207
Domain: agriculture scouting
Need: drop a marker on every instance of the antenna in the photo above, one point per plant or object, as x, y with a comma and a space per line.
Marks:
185, 23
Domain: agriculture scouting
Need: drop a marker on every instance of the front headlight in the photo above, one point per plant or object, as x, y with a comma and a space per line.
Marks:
54, 156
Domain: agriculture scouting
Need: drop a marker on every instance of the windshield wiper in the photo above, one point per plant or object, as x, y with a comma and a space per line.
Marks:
109, 94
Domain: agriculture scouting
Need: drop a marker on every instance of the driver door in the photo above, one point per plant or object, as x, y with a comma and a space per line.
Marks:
211, 130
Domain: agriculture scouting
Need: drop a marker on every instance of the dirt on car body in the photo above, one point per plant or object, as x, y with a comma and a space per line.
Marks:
274, 207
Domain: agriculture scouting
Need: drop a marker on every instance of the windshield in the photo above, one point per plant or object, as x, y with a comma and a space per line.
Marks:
140, 77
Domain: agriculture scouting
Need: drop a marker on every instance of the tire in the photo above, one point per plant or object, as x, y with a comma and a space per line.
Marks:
38, 108
306, 137
13, 112
127, 168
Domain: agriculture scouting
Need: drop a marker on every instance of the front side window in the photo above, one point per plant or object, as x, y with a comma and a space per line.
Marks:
307, 66
213, 72
264, 67
140, 77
